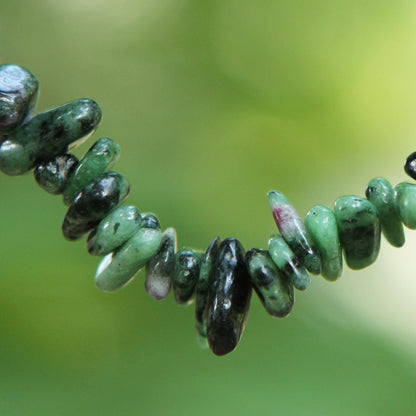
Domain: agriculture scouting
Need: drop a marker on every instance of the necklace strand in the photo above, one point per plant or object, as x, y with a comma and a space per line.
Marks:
221, 279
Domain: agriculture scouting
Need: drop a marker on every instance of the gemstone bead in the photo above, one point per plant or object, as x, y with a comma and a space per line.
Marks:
18, 95
114, 230
359, 230
206, 273
117, 269
229, 298
410, 165
161, 267
101, 156
322, 226
287, 262
381, 194
273, 288
405, 197
94, 203
52, 176
149, 220
48, 135
185, 277
293, 230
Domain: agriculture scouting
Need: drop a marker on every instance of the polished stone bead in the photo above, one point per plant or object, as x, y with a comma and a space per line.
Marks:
114, 230
359, 230
94, 203
294, 232
286, 261
273, 288
101, 157
206, 273
405, 197
322, 226
117, 269
161, 267
150, 220
410, 165
18, 95
229, 298
52, 176
381, 194
48, 135
185, 277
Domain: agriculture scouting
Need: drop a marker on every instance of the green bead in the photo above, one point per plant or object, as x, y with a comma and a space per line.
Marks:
287, 262
405, 198
48, 135
322, 226
117, 269
206, 274
185, 277
273, 288
114, 230
52, 176
359, 230
161, 267
294, 232
18, 94
101, 156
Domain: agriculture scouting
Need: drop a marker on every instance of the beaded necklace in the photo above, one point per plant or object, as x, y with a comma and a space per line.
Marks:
221, 279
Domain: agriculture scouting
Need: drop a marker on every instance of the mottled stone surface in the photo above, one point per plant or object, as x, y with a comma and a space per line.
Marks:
114, 230
381, 194
294, 232
359, 230
410, 165
185, 277
99, 158
94, 203
206, 274
405, 198
150, 220
322, 226
48, 135
286, 261
161, 267
272, 287
52, 176
229, 298
117, 269
18, 95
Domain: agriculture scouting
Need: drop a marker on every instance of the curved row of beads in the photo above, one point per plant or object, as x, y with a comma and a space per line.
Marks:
221, 279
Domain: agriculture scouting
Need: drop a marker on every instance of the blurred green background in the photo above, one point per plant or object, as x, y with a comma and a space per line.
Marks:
214, 103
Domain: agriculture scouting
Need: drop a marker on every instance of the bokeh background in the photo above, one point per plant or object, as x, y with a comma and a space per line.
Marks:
214, 103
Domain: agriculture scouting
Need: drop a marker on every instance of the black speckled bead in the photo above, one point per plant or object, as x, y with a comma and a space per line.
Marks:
185, 277
96, 200
272, 287
18, 95
410, 165
206, 273
229, 298
48, 135
52, 176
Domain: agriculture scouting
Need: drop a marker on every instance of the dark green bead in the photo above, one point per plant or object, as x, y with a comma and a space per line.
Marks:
52, 176
229, 298
381, 194
187, 263
150, 220
18, 95
322, 226
405, 198
273, 288
114, 230
206, 274
161, 267
94, 203
48, 135
359, 230
101, 156
117, 269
